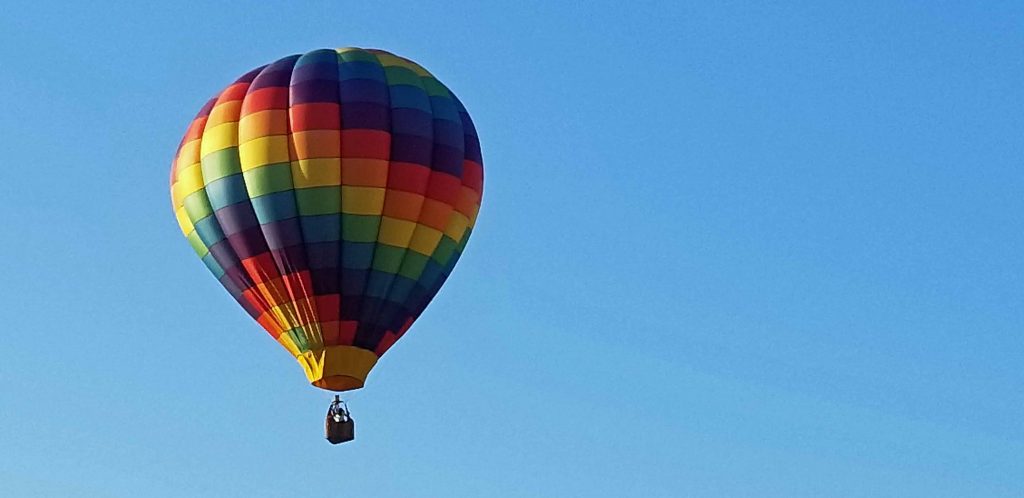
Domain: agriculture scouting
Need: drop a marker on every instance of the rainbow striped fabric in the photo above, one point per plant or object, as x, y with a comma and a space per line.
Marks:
331, 193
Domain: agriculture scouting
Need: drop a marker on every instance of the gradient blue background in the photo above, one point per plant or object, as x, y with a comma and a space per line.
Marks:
730, 250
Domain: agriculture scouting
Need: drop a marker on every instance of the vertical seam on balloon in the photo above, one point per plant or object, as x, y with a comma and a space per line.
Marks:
435, 287
265, 301
286, 267
313, 320
339, 269
203, 115
369, 271
419, 213
376, 314
290, 309
247, 279
289, 317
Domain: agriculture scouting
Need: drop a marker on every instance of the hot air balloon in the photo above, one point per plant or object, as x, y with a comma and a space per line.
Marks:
331, 193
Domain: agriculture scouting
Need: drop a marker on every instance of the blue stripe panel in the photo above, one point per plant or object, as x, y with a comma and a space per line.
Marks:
410, 97
213, 265
321, 228
361, 70
209, 231
226, 191
357, 255
275, 207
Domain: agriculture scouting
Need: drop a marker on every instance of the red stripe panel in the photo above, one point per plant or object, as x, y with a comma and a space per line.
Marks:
366, 144
318, 116
408, 177
473, 175
444, 187
264, 99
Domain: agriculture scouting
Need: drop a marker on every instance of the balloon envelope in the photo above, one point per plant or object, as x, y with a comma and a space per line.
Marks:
331, 193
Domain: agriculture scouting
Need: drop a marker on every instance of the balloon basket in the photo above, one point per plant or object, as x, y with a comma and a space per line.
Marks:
339, 426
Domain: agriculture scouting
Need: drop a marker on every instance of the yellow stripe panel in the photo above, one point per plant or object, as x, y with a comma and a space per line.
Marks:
219, 137
425, 240
190, 180
395, 232
457, 225
473, 215
288, 344
177, 199
183, 221
263, 123
263, 151
391, 60
188, 155
178, 190
224, 112
316, 172
362, 200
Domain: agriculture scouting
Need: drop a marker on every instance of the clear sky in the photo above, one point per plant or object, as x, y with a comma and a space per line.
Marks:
725, 250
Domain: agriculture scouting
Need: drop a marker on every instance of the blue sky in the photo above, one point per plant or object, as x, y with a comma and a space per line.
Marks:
725, 250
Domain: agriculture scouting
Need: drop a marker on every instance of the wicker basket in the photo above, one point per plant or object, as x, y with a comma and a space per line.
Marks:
339, 426
340, 432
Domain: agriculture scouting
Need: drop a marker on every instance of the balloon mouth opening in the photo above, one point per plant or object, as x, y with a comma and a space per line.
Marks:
339, 383
337, 368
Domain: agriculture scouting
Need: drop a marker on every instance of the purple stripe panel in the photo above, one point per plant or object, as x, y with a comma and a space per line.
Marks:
309, 91
411, 149
448, 160
236, 217
363, 116
366, 91
283, 233
278, 74
248, 243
